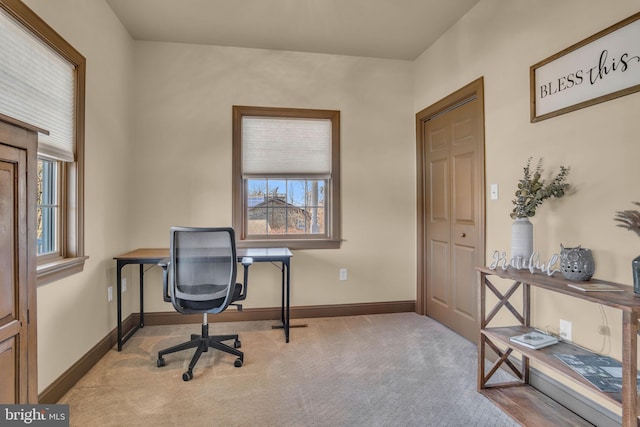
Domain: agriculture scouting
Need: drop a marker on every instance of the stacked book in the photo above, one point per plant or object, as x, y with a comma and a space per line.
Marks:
534, 340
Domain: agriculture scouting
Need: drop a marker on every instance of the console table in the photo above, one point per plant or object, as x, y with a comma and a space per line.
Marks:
520, 400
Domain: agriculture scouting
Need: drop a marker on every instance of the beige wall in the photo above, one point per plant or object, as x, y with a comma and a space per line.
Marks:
599, 143
73, 314
159, 150
182, 155
500, 41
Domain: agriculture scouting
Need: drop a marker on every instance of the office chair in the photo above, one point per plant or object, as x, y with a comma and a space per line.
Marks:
200, 277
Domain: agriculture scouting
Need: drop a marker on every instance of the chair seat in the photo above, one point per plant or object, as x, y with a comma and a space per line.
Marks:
210, 304
203, 290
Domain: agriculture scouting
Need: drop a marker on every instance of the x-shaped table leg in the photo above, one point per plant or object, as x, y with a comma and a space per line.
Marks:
504, 301
503, 358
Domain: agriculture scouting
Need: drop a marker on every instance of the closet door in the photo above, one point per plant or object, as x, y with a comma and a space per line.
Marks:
451, 222
17, 283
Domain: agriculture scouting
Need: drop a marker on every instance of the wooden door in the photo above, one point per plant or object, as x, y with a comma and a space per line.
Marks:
18, 381
452, 219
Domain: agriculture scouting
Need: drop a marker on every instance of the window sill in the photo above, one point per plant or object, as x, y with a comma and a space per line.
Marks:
59, 269
291, 244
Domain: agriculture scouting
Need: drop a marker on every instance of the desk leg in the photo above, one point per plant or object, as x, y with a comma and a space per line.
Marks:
121, 337
119, 301
286, 266
141, 295
282, 303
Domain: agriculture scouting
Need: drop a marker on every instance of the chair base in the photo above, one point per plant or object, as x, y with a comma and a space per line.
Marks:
202, 343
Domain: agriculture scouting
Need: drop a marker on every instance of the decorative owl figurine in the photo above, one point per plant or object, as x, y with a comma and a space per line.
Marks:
576, 263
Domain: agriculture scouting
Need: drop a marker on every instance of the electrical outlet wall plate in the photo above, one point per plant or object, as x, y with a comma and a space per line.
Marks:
565, 330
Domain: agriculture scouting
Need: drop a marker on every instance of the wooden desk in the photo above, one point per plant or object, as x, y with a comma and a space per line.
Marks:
154, 255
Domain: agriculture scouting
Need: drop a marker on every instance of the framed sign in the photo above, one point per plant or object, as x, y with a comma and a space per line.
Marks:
602, 67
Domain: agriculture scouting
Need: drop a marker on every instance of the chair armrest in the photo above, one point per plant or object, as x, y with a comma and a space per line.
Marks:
164, 264
246, 262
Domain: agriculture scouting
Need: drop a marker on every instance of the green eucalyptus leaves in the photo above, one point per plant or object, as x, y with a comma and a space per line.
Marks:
533, 190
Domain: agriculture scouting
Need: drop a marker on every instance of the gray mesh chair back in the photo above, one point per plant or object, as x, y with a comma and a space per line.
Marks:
202, 269
200, 277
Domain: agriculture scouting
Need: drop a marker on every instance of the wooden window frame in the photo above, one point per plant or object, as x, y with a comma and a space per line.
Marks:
71, 257
332, 237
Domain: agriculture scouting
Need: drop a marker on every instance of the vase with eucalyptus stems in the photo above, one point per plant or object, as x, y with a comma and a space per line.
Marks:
630, 219
531, 193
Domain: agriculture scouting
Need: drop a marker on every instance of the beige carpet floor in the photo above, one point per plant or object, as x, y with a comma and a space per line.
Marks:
378, 370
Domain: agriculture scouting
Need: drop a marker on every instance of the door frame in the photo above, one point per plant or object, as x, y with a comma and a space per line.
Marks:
473, 89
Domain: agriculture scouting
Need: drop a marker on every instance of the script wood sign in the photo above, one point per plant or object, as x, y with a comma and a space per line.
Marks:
597, 69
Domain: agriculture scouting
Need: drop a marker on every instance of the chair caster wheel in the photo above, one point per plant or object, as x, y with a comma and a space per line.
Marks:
237, 344
237, 363
161, 362
187, 376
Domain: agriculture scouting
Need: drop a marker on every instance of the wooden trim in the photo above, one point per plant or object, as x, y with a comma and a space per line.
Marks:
75, 237
32, 250
475, 88
421, 291
21, 124
333, 228
17, 136
352, 309
305, 312
59, 269
175, 318
54, 392
72, 230
30, 20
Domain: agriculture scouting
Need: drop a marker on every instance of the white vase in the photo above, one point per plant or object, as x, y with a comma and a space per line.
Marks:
521, 241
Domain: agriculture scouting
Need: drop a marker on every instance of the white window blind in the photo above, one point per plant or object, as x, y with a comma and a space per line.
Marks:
37, 86
284, 146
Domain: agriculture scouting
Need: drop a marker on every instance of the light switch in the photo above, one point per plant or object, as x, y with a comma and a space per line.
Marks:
494, 191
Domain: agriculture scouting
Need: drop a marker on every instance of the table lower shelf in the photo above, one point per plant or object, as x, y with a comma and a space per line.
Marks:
531, 408
547, 357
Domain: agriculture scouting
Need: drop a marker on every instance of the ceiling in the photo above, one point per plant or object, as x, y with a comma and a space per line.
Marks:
395, 29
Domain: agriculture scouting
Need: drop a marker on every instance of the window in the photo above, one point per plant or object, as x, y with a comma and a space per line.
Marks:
48, 226
42, 81
286, 177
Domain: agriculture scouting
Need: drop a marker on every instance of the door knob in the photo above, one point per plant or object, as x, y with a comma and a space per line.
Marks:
463, 235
